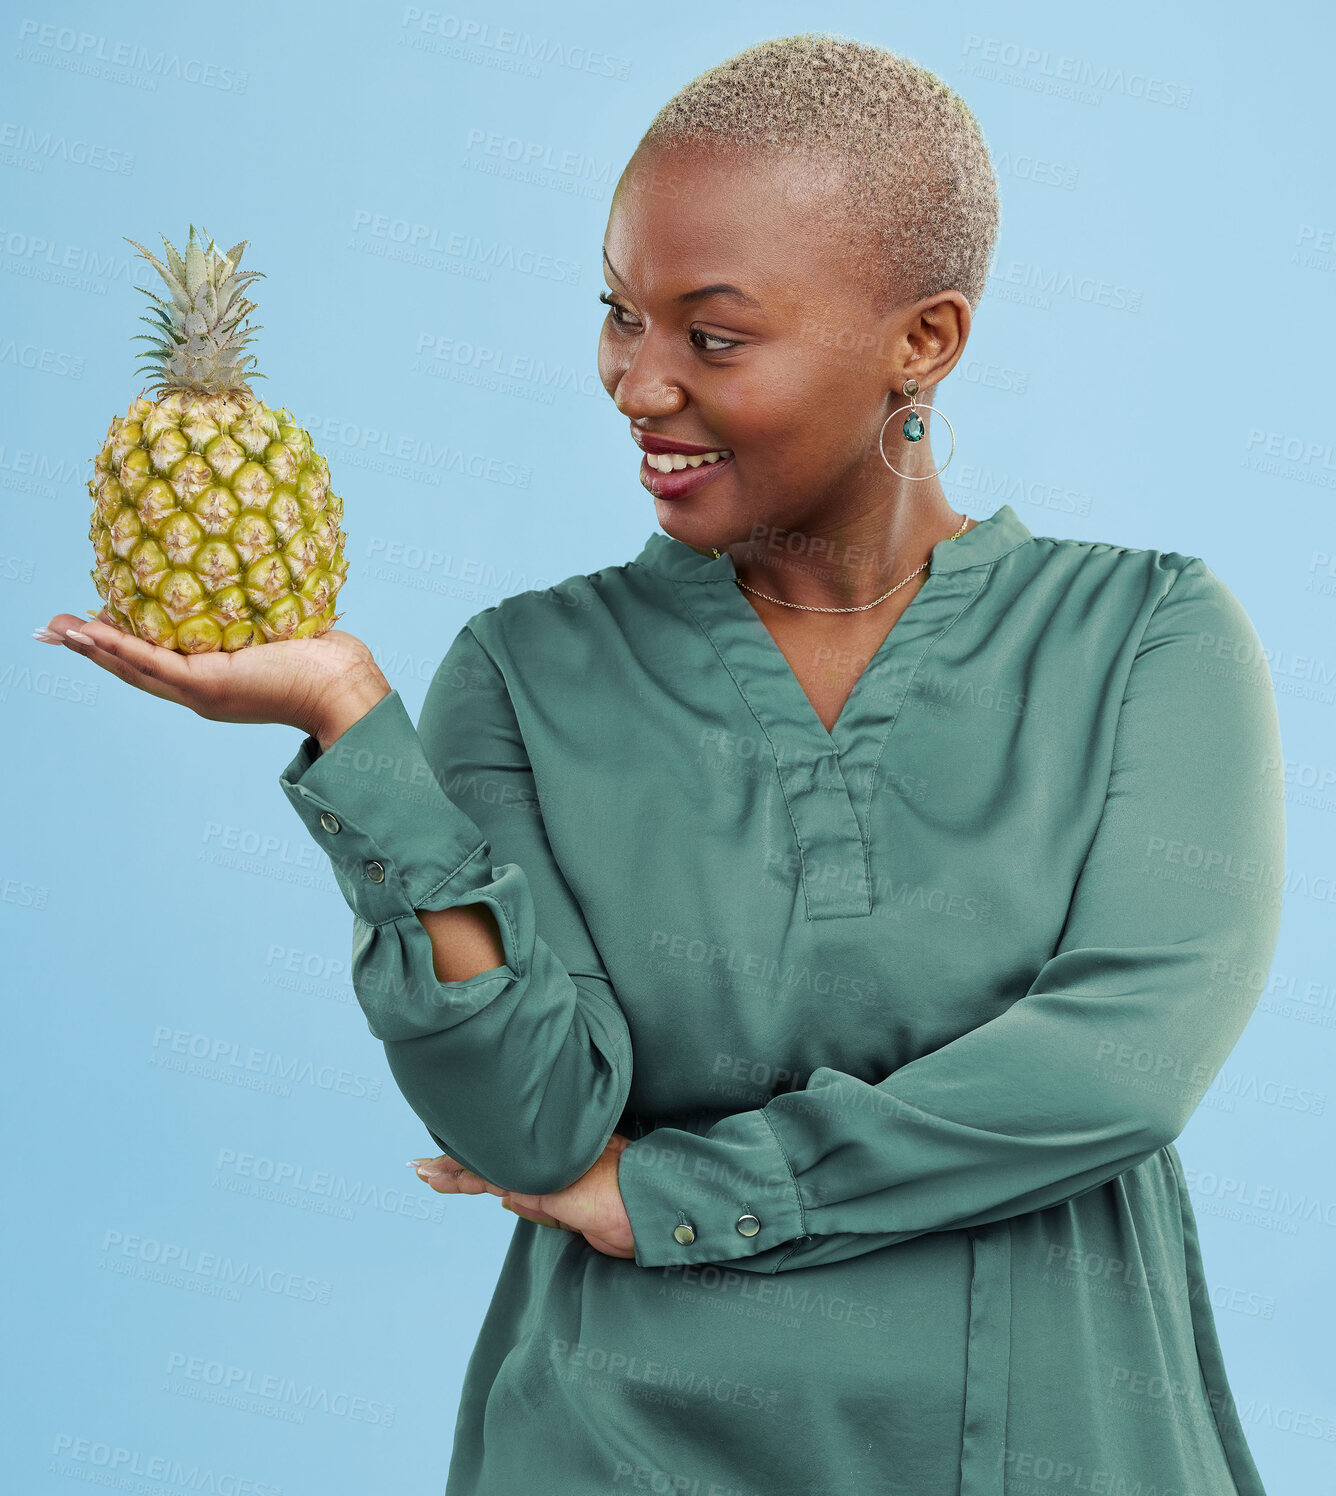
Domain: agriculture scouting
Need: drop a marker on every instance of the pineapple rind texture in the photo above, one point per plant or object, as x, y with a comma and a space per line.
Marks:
213, 524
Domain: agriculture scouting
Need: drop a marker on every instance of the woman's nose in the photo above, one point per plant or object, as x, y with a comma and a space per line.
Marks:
642, 392
641, 379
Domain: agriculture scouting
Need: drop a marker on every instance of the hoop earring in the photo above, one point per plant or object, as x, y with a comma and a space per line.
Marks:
913, 430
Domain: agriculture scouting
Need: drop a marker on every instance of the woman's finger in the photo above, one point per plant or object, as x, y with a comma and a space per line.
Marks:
117, 667
441, 1167
537, 1217
447, 1176
469, 1183
53, 633
150, 667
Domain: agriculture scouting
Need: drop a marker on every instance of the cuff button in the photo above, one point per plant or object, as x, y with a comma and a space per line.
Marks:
748, 1225
329, 821
684, 1234
375, 872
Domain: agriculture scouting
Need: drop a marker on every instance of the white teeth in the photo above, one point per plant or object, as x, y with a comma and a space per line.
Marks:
670, 462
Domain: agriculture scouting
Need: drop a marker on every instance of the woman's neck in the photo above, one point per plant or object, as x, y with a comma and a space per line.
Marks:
848, 565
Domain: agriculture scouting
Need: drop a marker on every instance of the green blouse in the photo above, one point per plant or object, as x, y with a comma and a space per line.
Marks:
903, 1017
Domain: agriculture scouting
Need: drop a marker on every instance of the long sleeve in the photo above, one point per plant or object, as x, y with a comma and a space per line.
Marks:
1098, 1065
520, 1072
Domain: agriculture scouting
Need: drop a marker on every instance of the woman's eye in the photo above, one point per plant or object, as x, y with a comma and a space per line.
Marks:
707, 342
720, 344
617, 311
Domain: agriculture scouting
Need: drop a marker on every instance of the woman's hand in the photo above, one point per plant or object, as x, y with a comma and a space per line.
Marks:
592, 1206
321, 686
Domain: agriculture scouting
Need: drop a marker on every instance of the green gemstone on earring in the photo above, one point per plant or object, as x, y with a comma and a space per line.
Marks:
913, 428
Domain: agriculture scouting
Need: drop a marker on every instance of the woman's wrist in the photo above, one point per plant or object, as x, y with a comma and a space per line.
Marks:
351, 706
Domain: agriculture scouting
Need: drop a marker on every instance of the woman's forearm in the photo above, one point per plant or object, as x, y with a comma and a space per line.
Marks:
515, 1053
465, 941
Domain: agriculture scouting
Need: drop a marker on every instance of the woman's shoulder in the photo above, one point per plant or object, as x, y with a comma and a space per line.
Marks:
1064, 552
1136, 568
1166, 590
567, 618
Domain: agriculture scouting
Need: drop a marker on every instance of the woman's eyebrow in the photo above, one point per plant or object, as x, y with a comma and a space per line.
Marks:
720, 288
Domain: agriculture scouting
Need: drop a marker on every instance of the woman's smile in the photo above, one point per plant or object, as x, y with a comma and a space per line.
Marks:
679, 482
672, 469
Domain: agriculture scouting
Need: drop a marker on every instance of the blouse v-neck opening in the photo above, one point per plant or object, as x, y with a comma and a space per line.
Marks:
829, 777
838, 729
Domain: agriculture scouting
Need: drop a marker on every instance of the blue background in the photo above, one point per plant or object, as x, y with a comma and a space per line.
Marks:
1149, 368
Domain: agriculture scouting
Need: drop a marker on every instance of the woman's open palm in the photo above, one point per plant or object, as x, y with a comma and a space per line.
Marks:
292, 681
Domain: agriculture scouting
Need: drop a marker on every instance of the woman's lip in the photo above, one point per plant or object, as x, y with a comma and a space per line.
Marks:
647, 442
681, 481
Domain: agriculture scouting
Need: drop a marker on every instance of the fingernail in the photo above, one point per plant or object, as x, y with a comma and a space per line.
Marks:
75, 634
46, 635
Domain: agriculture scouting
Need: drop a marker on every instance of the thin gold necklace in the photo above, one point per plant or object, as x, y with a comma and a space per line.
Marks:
862, 607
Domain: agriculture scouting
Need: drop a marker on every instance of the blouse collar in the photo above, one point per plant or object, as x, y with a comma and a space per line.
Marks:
1001, 532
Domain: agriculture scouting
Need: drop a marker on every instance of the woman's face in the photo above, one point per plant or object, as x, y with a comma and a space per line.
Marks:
745, 318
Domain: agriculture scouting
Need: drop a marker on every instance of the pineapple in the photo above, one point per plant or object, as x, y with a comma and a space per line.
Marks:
213, 523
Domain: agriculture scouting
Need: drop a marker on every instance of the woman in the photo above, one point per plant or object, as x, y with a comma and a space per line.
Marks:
841, 891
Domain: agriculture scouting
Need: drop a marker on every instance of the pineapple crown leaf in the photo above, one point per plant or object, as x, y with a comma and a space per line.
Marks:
161, 308
200, 334
225, 305
197, 268
174, 260
165, 333
174, 285
243, 311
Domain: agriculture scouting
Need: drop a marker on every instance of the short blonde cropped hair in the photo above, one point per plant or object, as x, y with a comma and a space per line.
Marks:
919, 177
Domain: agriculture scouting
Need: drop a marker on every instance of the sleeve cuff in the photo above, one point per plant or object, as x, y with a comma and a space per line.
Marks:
371, 801
715, 1198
